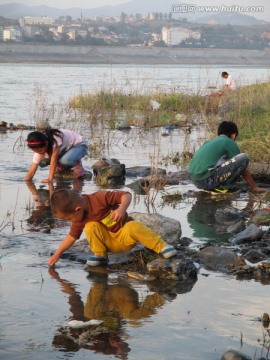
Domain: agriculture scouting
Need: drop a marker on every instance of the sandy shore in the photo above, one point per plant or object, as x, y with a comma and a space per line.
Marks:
25, 53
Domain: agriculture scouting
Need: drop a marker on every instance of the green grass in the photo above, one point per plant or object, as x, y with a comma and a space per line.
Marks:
249, 107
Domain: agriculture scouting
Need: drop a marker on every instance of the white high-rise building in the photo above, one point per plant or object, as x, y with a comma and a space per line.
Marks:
34, 20
175, 35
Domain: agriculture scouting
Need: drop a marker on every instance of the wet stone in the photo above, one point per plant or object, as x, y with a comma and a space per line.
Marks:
237, 227
260, 217
143, 171
255, 256
234, 355
227, 215
251, 233
177, 268
217, 257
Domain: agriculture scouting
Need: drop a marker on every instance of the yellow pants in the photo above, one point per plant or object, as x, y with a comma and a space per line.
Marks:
122, 299
102, 241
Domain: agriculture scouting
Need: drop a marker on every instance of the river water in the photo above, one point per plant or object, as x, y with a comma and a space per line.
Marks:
199, 321
18, 82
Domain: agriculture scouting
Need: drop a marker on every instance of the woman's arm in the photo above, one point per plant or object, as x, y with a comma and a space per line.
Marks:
53, 163
31, 172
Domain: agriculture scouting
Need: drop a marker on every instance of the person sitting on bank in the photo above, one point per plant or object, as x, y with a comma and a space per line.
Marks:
63, 149
218, 164
230, 82
104, 219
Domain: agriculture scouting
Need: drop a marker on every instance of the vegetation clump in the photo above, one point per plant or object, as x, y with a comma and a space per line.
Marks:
248, 106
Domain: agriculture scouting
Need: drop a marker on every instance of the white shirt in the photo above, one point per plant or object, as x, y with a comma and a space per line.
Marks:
230, 82
70, 139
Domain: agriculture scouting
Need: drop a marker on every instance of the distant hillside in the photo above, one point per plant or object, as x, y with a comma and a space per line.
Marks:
17, 10
232, 19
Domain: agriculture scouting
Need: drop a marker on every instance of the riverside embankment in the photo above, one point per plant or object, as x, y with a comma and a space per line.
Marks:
25, 53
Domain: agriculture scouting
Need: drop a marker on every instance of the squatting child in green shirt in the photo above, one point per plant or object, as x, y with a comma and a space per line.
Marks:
218, 163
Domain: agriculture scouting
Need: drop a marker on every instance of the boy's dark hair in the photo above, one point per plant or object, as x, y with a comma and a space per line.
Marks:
224, 73
65, 201
227, 128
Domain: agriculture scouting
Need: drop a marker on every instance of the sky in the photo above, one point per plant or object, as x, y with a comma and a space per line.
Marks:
97, 3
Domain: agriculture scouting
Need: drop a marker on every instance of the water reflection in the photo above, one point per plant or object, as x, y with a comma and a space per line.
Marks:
41, 216
116, 303
40, 213
208, 219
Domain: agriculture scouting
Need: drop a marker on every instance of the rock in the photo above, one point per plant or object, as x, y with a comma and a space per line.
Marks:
107, 169
43, 124
251, 233
179, 175
77, 324
3, 123
105, 162
139, 120
109, 172
124, 127
68, 174
237, 227
255, 256
217, 257
185, 241
141, 277
234, 355
140, 186
170, 289
181, 118
265, 320
143, 171
260, 171
260, 217
176, 268
159, 181
227, 215
169, 229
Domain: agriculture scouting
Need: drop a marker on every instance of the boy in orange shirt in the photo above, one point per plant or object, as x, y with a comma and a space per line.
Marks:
104, 219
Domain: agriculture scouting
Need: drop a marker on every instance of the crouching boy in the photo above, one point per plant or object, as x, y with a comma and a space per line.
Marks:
108, 228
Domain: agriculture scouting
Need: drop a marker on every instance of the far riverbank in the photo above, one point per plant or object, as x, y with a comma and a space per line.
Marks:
25, 53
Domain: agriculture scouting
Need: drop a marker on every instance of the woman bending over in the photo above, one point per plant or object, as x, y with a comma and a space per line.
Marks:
63, 148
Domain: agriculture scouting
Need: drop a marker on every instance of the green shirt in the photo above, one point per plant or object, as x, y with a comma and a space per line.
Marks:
209, 154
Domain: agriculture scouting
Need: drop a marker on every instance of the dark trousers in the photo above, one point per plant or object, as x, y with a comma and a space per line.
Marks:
225, 176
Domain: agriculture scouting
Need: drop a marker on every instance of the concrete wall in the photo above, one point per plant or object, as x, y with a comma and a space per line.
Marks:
24, 53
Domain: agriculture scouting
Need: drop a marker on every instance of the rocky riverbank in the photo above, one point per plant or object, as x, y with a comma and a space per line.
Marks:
25, 53
240, 246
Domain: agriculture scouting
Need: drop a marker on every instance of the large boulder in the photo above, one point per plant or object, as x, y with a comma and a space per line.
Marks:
169, 229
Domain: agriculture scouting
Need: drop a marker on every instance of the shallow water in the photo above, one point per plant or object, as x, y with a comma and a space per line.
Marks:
20, 83
197, 321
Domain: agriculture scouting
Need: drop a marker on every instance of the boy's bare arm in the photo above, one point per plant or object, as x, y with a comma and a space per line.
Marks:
65, 244
120, 212
248, 178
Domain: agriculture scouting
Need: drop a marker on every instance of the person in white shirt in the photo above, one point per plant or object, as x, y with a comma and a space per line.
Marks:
63, 148
230, 82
